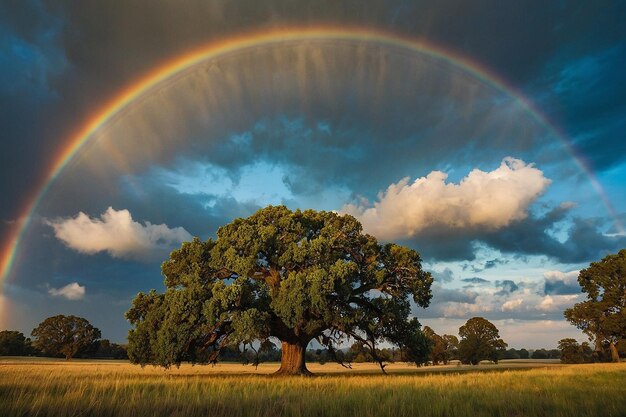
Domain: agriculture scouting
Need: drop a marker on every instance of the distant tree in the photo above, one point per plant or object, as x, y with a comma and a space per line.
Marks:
587, 352
480, 340
603, 315
571, 351
554, 354
452, 347
359, 353
13, 343
295, 276
443, 348
438, 348
103, 348
524, 354
386, 354
64, 335
511, 354
540, 354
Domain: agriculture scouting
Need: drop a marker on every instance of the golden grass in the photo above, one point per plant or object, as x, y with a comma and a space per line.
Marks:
90, 388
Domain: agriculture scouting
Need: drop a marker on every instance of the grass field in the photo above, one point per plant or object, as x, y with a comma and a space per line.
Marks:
517, 388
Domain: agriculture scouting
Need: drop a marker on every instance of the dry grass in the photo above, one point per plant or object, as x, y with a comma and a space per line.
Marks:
90, 388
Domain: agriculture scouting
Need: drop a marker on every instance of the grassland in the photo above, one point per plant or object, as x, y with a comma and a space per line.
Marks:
83, 388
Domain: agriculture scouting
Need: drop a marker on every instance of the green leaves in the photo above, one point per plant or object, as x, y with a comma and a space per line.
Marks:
603, 315
290, 275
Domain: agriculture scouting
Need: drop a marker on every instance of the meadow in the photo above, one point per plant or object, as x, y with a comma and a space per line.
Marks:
107, 388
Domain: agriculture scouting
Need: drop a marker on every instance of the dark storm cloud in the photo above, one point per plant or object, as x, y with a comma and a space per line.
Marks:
31, 57
585, 240
489, 264
94, 49
559, 287
108, 44
476, 280
557, 283
506, 287
587, 99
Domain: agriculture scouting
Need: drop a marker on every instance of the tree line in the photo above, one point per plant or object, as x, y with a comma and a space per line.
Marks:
61, 337
71, 336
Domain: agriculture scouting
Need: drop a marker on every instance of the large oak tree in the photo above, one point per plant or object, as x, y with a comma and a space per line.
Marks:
292, 276
603, 315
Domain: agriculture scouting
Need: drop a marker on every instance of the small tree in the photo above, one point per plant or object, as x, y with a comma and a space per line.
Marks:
571, 351
438, 348
603, 315
443, 348
451, 347
13, 343
480, 340
64, 335
295, 276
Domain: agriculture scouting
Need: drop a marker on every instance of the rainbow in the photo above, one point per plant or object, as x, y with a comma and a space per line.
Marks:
213, 50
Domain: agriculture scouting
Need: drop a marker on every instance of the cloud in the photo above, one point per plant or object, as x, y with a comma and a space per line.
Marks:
512, 304
475, 280
73, 291
557, 303
506, 287
584, 242
561, 283
444, 276
481, 200
115, 232
444, 295
522, 299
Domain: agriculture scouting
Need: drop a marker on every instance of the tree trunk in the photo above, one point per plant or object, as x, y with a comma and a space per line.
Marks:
614, 352
292, 360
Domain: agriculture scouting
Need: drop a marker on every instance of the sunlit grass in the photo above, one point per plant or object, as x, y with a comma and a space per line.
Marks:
82, 388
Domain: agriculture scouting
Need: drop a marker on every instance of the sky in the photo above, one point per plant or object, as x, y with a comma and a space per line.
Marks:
487, 135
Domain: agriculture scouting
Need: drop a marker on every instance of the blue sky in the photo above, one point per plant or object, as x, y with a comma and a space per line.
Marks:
420, 150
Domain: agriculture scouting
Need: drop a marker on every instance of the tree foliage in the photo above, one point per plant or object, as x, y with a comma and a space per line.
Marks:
13, 343
480, 340
602, 316
572, 352
293, 276
64, 335
443, 348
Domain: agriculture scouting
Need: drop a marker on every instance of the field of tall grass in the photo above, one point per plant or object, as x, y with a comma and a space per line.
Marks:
82, 388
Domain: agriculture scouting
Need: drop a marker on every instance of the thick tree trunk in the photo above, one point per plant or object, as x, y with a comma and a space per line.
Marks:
292, 360
614, 352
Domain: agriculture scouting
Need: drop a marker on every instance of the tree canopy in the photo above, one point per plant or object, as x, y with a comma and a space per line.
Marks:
480, 340
13, 343
64, 335
290, 275
443, 347
572, 352
603, 315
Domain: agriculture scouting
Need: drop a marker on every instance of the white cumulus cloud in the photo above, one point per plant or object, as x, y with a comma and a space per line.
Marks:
117, 233
511, 305
486, 200
73, 291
